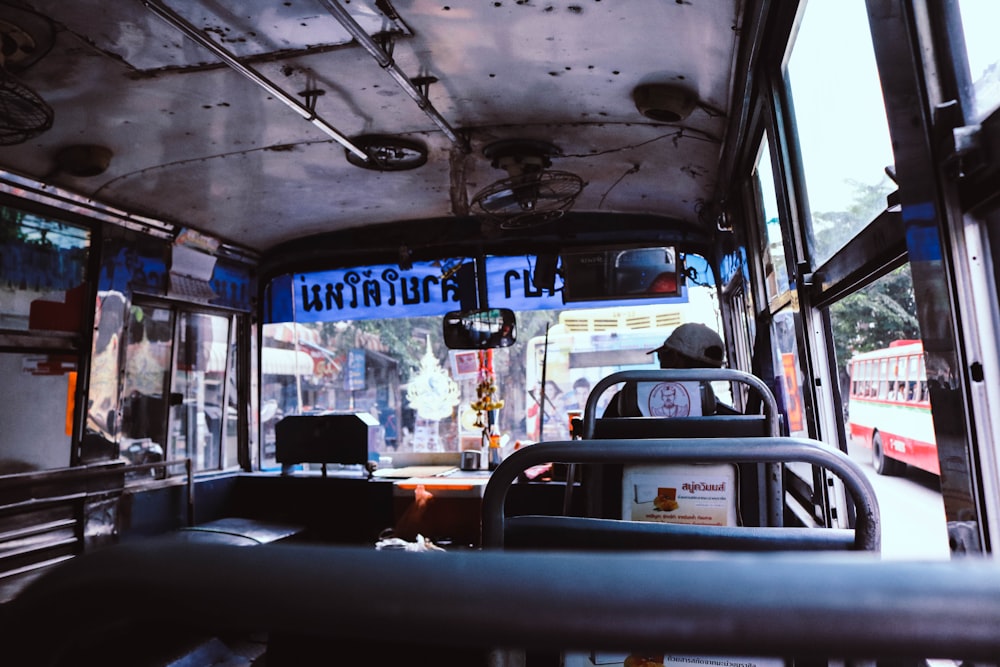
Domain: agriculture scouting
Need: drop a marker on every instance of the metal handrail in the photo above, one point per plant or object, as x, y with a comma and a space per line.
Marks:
684, 450
682, 375
386, 62
847, 605
92, 471
223, 54
83, 472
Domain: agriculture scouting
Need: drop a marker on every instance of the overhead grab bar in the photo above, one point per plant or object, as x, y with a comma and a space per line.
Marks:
386, 62
179, 22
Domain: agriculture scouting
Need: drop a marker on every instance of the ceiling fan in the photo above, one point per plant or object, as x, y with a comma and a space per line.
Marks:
531, 194
23, 113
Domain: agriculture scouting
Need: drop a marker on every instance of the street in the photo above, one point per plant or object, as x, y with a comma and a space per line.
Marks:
913, 520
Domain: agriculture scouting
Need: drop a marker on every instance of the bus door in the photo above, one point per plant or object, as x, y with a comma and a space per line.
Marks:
146, 384
175, 385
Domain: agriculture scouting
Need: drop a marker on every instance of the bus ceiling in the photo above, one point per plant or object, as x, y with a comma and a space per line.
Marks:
323, 117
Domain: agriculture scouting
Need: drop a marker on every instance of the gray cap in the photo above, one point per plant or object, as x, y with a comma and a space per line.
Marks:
695, 341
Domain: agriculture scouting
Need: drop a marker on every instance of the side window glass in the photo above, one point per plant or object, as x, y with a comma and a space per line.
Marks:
979, 22
197, 394
178, 388
832, 77
230, 420
775, 269
889, 427
790, 372
43, 289
149, 336
43, 265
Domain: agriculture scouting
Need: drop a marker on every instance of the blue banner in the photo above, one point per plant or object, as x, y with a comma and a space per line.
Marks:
387, 291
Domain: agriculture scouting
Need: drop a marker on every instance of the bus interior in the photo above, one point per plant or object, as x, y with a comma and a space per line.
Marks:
311, 312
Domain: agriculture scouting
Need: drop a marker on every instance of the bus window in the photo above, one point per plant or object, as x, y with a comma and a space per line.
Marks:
41, 262
288, 373
397, 368
43, 274
913, 378
883, 380
197, 403
833, 78
979, 18
775, 266
891, 432
790, 372
175, 389
922, 395
895, 383
145, 389
230, 421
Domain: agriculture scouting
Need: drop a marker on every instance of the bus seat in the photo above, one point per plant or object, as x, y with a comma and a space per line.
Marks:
715, 426
708, 422
604, 483
760, 492
238, 531
553, 533
780, 604
591, 533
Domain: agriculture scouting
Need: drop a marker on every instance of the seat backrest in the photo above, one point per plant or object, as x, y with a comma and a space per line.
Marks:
679, 375
768, 450
760, 495
716, 426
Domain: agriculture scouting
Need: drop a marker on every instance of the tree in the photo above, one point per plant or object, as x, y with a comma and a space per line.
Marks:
875, 316
832, 229
398, 338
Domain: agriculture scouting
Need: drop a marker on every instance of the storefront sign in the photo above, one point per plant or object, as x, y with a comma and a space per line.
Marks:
356, 370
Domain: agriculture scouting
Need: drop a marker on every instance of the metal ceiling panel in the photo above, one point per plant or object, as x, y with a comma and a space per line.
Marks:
197, 144
130, 31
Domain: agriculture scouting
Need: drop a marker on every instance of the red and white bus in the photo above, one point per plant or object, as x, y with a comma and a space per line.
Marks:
890, 408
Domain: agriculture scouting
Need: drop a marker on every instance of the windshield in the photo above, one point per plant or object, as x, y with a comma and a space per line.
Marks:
370, 339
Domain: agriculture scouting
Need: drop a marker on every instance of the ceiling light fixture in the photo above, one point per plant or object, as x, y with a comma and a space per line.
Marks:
664, 102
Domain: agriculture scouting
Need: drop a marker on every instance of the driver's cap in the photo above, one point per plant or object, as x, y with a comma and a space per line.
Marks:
695, 341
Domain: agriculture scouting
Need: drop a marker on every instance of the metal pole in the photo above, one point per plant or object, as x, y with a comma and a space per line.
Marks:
179, 22
386, 62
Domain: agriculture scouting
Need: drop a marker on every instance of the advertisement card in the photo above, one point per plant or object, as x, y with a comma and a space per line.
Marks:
690, 494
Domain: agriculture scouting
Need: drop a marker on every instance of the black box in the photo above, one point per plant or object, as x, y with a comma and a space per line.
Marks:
337, 438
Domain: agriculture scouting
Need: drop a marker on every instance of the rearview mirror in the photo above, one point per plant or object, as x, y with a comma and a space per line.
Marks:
480, 329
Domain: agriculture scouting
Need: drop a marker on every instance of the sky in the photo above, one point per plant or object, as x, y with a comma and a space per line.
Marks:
839, 111
838, 100
979, 22
838, 103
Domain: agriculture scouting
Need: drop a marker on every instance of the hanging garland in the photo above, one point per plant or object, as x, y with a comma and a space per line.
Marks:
486, 389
